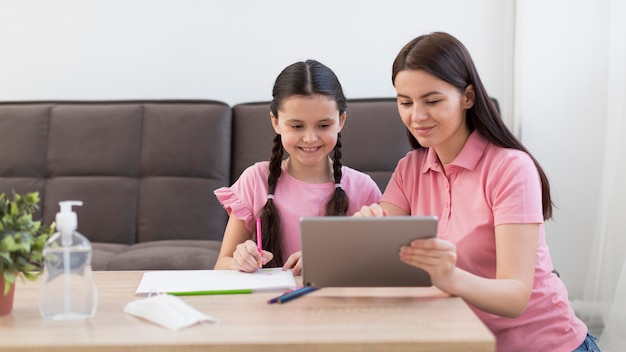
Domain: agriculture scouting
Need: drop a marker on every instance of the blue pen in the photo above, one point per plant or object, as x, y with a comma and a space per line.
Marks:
288, 296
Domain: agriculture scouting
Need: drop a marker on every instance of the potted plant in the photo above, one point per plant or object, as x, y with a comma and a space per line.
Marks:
22, 241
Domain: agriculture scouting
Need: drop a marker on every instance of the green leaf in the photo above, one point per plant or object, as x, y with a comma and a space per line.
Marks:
9, 245
15, 211
22, 239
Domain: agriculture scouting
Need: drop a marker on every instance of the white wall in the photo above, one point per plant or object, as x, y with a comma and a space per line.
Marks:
233, 50
229, 50
562, 86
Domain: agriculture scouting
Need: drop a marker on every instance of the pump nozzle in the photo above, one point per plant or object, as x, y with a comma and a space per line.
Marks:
67, 221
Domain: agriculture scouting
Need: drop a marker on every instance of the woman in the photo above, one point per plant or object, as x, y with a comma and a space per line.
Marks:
490, 195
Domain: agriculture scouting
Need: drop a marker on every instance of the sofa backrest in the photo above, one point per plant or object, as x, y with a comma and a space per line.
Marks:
144, 170
373, 138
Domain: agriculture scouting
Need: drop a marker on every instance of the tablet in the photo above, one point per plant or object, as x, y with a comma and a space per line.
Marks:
340, 251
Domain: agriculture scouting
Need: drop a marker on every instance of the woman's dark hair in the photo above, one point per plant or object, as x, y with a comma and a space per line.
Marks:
300, 79
446, 58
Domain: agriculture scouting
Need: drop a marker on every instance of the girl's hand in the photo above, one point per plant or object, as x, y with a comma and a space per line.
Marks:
247, 258
435, 256
294, 262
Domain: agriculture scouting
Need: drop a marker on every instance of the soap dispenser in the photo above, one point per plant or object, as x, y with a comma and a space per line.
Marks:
68, 290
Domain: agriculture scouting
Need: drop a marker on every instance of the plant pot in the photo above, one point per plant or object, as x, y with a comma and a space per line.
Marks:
6, 301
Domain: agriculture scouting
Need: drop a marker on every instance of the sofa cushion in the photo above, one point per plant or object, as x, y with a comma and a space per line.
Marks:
171, 254
145, 172
23, 143
374, 138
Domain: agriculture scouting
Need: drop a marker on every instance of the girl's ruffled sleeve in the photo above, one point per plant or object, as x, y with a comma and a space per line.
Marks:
232, 203
239, 199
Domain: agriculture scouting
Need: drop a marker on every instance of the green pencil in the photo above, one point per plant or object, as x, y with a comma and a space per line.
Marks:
216, 292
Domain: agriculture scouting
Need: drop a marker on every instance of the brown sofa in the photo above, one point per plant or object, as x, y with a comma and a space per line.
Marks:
146, 170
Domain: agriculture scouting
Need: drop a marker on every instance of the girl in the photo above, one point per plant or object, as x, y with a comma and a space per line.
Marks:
308, 111
491, 197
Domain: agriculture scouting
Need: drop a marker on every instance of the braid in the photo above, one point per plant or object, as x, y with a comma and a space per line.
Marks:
275, 164
338, 203
337, 160
270, 218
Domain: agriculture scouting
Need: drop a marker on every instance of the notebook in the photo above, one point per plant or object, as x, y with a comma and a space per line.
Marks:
213, 282
361, 252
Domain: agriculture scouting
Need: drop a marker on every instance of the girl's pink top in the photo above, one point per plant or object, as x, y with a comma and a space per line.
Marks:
293, 198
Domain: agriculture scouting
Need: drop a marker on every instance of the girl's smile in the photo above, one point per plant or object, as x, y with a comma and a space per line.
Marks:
309, 126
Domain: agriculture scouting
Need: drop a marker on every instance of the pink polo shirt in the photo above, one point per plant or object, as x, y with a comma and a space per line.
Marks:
293, 198
483, 187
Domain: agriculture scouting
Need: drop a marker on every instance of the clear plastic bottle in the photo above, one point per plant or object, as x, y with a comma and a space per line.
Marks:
68, 290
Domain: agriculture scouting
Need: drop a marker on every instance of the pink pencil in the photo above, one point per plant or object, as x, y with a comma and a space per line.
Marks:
258, 236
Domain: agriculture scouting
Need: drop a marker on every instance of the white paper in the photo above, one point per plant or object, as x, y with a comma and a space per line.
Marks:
190, 281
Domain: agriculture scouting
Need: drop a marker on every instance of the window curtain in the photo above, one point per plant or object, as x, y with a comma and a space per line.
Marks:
605, 287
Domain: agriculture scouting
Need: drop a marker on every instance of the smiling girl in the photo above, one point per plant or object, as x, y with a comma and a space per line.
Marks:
307, 113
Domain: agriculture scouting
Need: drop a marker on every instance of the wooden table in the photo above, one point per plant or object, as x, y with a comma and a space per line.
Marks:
337, 319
